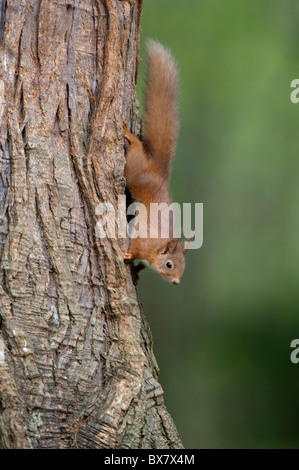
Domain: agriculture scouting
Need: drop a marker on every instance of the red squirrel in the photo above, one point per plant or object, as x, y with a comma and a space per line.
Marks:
148, 161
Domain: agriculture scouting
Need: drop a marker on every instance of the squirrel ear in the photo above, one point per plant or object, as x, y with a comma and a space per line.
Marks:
171, 246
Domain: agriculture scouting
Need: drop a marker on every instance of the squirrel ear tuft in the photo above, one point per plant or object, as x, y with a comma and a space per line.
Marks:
186, 248
186, 244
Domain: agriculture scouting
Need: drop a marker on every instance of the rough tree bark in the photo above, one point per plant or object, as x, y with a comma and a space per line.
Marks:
78, 368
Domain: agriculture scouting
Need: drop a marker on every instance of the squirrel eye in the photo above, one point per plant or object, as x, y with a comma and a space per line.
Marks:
169, 265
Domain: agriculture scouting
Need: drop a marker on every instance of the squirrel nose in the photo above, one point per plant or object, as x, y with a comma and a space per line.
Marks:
175, 281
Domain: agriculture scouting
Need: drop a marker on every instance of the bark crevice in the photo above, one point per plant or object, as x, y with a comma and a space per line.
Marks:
2, 18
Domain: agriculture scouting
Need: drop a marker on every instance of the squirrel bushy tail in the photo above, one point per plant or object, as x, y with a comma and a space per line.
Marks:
161, 108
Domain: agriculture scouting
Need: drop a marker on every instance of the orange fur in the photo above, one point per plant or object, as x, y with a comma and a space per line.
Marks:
148, 163
161, 105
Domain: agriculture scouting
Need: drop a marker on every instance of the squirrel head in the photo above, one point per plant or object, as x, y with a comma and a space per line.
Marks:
170, 261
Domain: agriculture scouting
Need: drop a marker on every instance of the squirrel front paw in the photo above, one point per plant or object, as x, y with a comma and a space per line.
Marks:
127, 257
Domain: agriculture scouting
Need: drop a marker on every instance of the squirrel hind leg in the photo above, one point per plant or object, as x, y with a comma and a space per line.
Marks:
129, 136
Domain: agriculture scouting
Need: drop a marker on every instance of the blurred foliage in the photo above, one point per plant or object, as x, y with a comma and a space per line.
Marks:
222, 338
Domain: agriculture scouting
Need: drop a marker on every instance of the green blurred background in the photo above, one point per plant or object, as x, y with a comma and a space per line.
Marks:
222, 338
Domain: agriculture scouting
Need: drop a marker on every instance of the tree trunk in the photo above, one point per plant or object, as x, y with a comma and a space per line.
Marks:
77, 368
